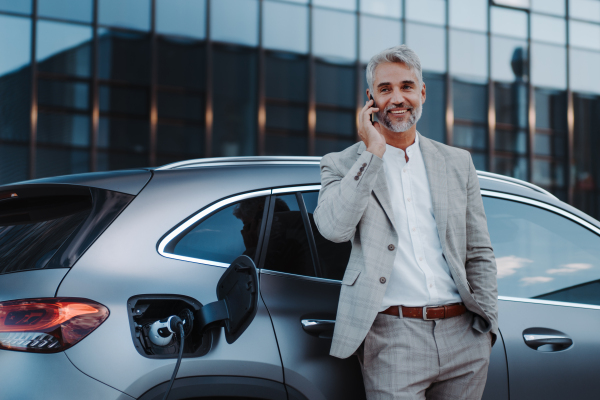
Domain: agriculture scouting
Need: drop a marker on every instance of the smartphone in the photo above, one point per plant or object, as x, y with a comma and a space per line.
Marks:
372, 106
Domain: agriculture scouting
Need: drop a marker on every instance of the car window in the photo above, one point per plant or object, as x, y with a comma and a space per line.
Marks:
543, 255
288, 249
333, 257
226, 234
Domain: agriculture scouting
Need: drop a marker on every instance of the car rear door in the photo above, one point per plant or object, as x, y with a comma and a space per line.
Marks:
548, 279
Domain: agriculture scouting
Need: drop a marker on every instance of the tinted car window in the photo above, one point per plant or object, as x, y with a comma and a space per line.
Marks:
333, 257
226, 234
288, 249
543, 255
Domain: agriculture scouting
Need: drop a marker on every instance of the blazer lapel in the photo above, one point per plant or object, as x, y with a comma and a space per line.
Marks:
435, 164
381, 190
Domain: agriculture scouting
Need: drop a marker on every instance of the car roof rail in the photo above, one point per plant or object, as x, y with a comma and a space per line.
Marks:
514, 181
205, 162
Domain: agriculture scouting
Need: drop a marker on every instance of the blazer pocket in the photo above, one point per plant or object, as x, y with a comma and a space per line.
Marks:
351, 276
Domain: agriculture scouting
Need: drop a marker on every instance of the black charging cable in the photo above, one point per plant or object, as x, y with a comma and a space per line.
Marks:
179, 324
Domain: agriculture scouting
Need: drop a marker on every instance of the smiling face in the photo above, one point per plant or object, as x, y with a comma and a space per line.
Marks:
398, 95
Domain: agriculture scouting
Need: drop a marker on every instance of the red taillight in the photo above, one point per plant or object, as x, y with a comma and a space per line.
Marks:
48, 325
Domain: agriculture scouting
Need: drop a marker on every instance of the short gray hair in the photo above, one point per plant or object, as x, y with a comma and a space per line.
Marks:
402, 54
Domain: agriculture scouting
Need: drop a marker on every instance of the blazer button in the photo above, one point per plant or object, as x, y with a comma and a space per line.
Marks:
382, 279
391, 247
362, 169
358, 173
356, 178
364, 164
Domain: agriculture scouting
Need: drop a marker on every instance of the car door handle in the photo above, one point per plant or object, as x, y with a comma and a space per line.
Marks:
546, 339
322, 328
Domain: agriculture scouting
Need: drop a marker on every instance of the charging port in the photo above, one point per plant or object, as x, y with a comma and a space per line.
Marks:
144, 310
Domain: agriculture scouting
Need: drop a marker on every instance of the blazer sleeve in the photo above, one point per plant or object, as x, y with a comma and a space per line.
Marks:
480, 262
344, 197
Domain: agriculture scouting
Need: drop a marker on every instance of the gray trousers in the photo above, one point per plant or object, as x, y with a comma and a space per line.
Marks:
413, 359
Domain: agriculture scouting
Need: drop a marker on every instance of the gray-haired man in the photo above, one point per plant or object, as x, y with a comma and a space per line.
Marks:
418, 303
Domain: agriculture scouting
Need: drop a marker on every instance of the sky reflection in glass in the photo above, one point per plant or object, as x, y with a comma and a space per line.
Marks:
54, 38
549, 29
507, 22
588, 10
430, 44
181, 17
16, 6
428, 11
583, 71
377, 34
548, 66
285, 27
15, 42
234, 21
334, 34
503, 50
468, 55
134, 14
383, 8
556, 7
584, 35
469, 14
74, 10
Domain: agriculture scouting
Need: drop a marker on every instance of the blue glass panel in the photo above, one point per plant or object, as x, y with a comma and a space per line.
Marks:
124, 134
75, 10
64, 48
382, 8
507, 22
63, 94
549, 29
124, 56
429, 11
588, 10
15, 43
181, 17
377, 34
556, 7
548, 66
584, 35
234, 21
16, 6
53, 162
14, 163
134, 14
430, 44
349, 5
65, 129
285, 27
334, 34
583, 71
506, 53
469, 14
469, 55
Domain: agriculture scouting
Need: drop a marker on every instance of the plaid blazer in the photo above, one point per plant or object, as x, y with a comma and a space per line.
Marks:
359, 209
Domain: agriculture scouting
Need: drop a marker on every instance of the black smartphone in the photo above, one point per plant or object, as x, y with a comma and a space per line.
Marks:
372, 106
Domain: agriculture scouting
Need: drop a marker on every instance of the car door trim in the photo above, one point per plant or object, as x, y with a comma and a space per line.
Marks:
548, 302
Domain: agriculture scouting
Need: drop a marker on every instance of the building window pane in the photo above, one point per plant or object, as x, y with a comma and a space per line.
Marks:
234, 21
181, 17
509, 59
123, 100
64, 94
235, 108
430, 44
335, 85
348, 5
334, 34
285, 27
549, 29
181, 106
377, 34
511, 106
15, 80
326, 145
588, 10
429, 11
382, 8
124, 56
548, 66
471, 137
507, 22
181, 63
63, 129
53, 162
582, 34
64, 48
583, 71
469, 14
124, 135
556, 7
468, 55
14, 161
179, 141
134, 14
16, 6
432, 123
470, 101
75, 10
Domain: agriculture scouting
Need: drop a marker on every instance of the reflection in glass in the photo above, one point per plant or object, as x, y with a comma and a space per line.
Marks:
511, 104
548, 66
510, 165
507, 22
348, 5
18, 6
582, 34
334, 34
133, 14
551, 111
470, 101
234, 21
53, 162
335, 84
181, 63
285, 27
469, 14
556, 7
429, 11
129, 135
471, 137
284, 118
286, 77
509, 59
181, 17
64, 48
511, 140
14, 161
469, 55
430, 44
326, 145
547, 173
588, 10
64, 129
63, 94
75, 10
377, 34
234, 101
549, 29
112, 161
583, 71
336, 123
382, 8
432, 123
123, 100
183, 106
187, 141
124, 56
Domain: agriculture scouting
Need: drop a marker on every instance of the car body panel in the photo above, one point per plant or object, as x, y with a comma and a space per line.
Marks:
31, 284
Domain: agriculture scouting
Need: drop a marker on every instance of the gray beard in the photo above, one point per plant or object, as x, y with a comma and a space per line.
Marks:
384, 119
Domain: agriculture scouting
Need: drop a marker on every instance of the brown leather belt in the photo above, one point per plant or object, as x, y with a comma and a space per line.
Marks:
428, 313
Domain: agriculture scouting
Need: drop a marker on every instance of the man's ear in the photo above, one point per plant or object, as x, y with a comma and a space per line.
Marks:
368, 94
423, 93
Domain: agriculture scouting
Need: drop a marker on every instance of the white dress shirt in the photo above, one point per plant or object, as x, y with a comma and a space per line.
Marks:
420, 275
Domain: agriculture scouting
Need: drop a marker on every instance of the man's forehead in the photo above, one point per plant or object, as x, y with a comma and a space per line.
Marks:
393, 72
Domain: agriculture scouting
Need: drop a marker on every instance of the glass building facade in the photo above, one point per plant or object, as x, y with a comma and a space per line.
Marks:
94, 85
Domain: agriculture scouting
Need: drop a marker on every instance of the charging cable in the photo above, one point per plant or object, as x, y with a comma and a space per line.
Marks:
176, 322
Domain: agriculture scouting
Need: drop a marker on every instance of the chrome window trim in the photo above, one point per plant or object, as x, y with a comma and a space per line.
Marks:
548, 302
514, 181
294, 189
238, 163
198, 216
541, 204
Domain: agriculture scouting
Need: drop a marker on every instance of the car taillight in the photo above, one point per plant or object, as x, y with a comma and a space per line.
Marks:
48, 325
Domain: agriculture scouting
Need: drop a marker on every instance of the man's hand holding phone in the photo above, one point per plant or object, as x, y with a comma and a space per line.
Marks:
368, 131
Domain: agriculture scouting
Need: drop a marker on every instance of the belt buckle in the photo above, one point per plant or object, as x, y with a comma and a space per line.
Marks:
425, 315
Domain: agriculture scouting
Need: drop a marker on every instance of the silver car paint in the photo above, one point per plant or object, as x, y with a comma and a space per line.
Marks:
31, 284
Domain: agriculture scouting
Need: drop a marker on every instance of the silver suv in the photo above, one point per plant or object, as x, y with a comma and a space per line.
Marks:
88, 263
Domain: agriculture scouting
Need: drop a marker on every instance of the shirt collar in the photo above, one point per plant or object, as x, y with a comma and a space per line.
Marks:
395, 150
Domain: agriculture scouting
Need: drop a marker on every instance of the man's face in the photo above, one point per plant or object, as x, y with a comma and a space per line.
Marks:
397, 94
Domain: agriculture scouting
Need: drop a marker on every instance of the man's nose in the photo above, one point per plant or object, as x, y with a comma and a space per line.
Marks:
397, 97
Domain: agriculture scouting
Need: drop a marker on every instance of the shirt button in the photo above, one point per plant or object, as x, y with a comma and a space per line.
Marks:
430, 285
414, 229
382, 280
404, 170
420, 258
408, 199
391, 247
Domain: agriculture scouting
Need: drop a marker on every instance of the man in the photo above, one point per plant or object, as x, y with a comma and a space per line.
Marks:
418, 303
